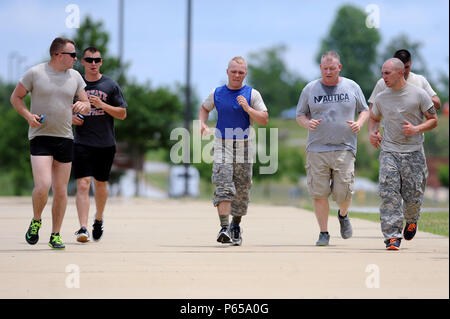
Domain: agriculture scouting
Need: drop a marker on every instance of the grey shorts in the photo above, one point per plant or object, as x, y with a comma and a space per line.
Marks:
331, 173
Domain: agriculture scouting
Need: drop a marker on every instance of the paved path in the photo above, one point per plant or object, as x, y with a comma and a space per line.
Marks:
167, 249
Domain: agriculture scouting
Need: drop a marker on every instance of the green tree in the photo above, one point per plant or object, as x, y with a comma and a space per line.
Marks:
356, 44
268, 73
14, 148
442, 86
443, 172
151, 115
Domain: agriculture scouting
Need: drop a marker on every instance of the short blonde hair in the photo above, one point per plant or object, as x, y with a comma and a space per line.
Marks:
331, 55
238, 60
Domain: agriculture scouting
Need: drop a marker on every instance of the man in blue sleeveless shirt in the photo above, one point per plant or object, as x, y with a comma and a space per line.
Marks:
238, 106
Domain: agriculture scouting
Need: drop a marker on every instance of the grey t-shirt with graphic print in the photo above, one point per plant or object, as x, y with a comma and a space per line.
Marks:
334, 105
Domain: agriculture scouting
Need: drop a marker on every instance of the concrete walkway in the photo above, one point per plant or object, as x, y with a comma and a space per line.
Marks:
167, 249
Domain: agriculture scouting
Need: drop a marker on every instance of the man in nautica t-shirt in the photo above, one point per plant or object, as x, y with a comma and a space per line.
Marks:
327, 108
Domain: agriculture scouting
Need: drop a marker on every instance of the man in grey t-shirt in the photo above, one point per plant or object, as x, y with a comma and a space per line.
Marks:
53, 87
403, 170
327, 108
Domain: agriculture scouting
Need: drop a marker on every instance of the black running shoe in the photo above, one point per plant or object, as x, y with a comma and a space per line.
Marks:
97, 229
224, 236
32, 235
236, 237
410, 231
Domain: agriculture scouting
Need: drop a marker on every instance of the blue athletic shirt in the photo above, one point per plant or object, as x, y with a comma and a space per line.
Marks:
230, 114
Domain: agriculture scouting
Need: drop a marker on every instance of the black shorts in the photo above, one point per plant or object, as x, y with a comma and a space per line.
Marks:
59, 147
92, 161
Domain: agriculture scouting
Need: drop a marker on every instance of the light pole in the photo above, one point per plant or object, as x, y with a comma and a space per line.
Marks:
121, 15
12, 56
188, 92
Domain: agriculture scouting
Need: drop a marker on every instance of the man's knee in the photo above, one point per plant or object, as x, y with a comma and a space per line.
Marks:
100, 186
224, 192
343, 193
42, 188
83, 185
59, 191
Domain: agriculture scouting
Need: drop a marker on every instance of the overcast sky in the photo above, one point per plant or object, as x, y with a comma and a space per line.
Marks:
155, 33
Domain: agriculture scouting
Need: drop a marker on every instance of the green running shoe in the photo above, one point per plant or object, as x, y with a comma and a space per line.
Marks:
56, 241
32, 235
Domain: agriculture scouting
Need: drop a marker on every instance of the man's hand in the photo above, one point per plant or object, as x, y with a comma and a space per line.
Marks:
33, 120
313, 124
81, 107
204, 130
409, 129
375, 139
76, 120
96, 101
243, 102
354, 126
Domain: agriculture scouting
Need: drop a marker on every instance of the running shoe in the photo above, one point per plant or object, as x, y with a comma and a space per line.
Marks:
324, 239
410, 231
32, 235
393, 244
82, 235
97, 229
224, 236
346, 227
236, 237
56, 241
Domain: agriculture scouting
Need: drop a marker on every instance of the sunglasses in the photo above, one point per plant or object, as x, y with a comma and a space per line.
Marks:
90, 60
72, 54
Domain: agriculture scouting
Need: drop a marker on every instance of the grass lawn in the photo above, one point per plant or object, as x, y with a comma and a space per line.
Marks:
435, 223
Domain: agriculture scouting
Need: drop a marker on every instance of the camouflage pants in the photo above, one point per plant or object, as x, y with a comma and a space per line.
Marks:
232, 175
402, 182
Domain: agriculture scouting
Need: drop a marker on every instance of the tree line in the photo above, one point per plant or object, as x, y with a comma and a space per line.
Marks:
154, 112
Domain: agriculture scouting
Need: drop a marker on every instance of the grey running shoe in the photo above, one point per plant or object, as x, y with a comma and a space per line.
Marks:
346, 227
82, 235
224, 236
236, 237
324, 239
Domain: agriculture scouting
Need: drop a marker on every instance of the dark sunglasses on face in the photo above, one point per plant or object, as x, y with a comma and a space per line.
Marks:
72, 54
90, 60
